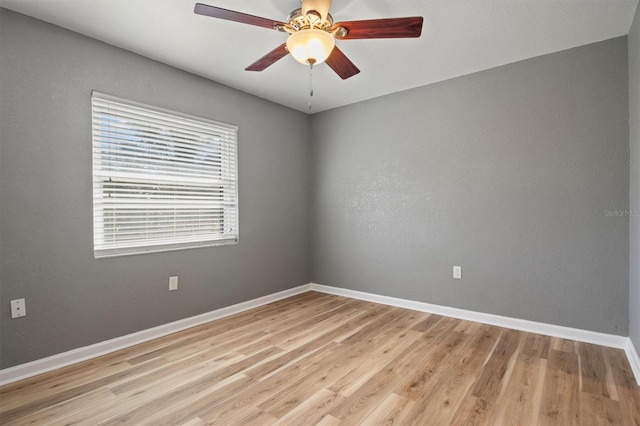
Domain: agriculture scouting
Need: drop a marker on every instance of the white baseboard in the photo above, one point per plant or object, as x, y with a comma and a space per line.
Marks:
634, 359
610, 340
74, 356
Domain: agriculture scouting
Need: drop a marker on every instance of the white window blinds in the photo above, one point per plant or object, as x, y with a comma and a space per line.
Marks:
161, 180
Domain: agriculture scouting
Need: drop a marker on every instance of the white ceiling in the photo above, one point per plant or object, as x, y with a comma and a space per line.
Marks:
459, 37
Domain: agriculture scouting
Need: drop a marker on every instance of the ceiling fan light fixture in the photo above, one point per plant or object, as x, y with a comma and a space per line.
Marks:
312, 34
310, 46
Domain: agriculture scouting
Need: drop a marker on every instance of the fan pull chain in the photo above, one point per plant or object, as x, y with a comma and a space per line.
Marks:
310, 85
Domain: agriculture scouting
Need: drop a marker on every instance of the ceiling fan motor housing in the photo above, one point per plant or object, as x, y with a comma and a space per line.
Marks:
297, 21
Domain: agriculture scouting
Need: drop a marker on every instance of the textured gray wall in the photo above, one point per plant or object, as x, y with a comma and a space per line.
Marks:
634, 193
47, 75
506, 172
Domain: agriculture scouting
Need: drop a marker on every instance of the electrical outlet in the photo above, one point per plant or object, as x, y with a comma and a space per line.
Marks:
457, 272
18, 308
173, 283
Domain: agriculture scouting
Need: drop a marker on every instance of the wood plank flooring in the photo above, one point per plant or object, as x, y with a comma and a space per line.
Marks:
328, 360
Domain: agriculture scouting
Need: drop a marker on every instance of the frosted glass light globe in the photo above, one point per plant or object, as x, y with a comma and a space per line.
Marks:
310, 46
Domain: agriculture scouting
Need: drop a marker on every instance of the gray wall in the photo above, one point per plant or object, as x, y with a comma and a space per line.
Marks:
47, 75
506, 172
634, 193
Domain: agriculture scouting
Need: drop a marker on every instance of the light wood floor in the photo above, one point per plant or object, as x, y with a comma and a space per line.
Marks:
322, 359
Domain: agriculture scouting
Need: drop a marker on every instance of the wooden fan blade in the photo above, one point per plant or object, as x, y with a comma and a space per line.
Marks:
269, 59
341, 64
230, 15
381, 28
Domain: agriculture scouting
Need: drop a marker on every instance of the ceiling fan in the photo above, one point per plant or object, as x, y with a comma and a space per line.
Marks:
312, 34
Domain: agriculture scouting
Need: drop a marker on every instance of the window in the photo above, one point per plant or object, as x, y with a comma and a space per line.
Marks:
161, 180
